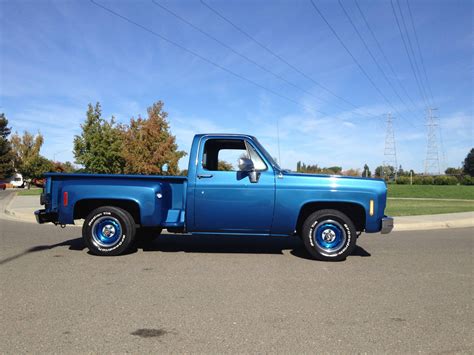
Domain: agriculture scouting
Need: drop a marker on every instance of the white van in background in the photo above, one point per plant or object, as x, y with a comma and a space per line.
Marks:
17, 180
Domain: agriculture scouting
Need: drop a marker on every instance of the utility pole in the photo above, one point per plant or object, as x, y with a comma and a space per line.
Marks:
390, 151
432, 155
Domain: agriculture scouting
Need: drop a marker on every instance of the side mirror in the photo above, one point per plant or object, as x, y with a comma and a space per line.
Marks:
246, 165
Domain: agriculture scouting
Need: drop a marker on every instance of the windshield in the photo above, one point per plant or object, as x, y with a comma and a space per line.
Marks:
266, 154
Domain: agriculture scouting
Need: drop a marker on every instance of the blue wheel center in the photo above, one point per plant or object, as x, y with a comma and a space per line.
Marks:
107, 231
328, 236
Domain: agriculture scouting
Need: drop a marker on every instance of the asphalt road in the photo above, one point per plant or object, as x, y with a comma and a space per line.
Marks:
406, 292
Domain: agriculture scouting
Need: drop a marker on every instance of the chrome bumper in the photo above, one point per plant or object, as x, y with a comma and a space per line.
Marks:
387, 225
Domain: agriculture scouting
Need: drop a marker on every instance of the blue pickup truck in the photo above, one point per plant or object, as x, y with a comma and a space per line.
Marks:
255, 197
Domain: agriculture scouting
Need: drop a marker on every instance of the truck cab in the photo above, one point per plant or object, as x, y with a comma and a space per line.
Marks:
251, 196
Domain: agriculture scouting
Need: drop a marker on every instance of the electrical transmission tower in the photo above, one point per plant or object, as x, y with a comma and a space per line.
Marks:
390, 151
432, 156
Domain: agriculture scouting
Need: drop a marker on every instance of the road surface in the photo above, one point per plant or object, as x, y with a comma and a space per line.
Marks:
405, 292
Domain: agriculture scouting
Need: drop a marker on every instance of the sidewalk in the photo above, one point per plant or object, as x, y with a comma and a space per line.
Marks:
23, 208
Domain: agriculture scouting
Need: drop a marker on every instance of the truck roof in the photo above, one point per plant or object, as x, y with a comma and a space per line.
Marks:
224, 135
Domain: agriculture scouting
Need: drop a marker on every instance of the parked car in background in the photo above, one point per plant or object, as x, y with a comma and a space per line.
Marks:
3, 186
256, 197
17, 180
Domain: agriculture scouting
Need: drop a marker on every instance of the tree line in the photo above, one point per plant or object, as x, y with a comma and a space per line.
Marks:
146, 145
463, 175
143, 146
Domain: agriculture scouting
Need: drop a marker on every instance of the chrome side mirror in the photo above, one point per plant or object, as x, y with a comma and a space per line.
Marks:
246, 166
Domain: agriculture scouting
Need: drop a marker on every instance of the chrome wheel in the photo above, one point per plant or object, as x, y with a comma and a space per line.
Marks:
106, 232
329, 236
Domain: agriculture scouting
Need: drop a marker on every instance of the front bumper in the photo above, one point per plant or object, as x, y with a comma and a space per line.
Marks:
387, 225
42, 216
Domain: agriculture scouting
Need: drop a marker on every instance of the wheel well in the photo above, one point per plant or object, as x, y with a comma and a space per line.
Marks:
352, 210
83, 207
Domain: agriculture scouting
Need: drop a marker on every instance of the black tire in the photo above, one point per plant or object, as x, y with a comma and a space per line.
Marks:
329, 235
108, 231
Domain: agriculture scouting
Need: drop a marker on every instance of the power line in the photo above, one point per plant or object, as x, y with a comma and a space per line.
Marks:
408, 54
279, 57
432, 120
411, 50
354, 58
370, 53
265, 69
156, 34
419, 51
383, 54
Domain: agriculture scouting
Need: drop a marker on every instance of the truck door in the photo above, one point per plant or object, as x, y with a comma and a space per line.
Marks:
225, 199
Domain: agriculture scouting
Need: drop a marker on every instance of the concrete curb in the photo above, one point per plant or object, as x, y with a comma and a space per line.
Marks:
437, 221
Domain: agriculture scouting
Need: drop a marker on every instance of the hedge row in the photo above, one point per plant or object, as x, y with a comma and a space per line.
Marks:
436, 180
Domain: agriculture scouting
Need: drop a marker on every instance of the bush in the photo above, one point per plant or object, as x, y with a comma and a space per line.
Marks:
403, 180
427, 180
466, 180
445, 180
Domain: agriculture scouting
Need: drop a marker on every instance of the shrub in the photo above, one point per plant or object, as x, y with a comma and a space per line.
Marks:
445, 180
466, 180
427, 180
403, 180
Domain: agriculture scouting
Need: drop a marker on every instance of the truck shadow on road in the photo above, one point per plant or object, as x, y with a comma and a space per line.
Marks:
73, 244
199, 244
230, 244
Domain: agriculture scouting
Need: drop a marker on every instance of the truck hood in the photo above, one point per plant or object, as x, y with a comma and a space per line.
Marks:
290, 173
335, 182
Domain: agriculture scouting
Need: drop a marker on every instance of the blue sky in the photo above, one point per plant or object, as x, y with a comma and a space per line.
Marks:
57, 56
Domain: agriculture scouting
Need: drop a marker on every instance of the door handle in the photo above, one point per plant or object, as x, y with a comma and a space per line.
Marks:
204, 176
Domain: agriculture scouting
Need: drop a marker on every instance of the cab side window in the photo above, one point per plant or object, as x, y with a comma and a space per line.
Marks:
224, 155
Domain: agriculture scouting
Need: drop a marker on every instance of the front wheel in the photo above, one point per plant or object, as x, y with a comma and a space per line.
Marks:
329, 235
108, 231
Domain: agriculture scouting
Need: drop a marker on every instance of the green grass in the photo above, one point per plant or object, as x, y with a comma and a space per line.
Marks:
432, 191
420, 207
30, 192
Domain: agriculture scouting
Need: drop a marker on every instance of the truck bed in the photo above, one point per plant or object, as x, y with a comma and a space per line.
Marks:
159, 200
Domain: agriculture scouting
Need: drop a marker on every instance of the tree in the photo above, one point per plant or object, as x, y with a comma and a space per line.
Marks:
6, 153
60, 167
99, 147
222, 165
352, 172
366, 172
453, 171
335, 170
27, 158
385, 171
35, 167
468, 165
148, 144
400, 171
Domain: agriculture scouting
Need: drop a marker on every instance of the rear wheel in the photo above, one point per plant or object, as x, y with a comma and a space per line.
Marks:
108, 231
329, 235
